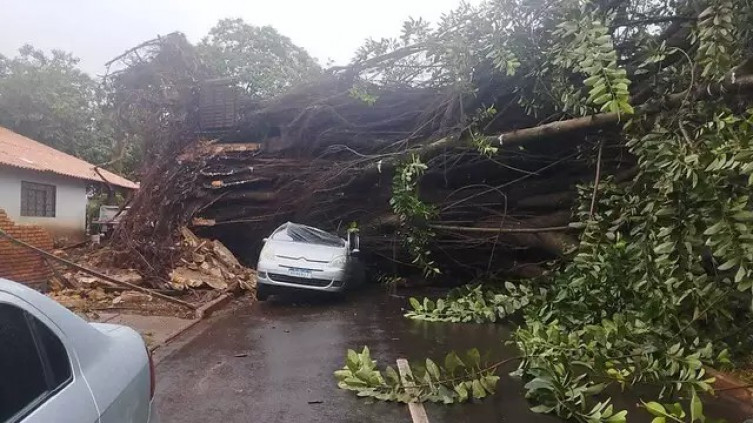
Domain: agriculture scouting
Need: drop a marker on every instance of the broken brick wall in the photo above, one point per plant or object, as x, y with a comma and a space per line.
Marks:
21, 264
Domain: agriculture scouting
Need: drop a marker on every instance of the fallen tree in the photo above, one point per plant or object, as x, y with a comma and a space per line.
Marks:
460, 148
500, 126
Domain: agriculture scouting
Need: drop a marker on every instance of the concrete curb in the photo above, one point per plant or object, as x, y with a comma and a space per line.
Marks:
730, 387
202, 313
207, 309
175, 334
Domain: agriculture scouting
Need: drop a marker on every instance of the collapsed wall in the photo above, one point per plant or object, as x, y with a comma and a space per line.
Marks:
21, 264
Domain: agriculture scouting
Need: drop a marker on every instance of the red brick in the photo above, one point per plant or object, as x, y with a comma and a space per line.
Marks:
21, 264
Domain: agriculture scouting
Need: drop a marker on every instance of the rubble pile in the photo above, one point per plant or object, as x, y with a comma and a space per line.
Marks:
208, 263
85, 293
206, 270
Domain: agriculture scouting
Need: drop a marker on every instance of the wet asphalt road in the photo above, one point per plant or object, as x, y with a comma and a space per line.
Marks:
273, 362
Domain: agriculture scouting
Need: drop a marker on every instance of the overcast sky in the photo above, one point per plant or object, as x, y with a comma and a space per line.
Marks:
98, 30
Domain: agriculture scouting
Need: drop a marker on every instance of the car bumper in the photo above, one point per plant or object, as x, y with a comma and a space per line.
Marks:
322, 284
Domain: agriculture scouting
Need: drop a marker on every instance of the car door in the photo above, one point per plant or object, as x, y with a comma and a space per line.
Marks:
41, 379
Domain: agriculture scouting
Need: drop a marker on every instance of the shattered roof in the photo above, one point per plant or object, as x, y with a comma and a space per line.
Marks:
19, 151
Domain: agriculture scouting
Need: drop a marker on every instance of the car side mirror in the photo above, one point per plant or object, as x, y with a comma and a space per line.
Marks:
264, 239
354, 242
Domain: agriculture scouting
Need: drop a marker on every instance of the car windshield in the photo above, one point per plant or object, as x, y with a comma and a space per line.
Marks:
300, 233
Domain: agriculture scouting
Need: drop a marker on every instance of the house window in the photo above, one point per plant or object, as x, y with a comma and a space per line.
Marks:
37, 199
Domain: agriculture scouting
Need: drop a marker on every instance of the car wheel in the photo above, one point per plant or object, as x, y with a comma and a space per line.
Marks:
262, 292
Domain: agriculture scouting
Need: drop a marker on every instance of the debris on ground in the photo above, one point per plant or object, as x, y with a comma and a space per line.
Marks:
206, 270
209, 264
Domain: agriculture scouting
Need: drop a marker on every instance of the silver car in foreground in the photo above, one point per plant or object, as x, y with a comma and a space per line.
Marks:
56, 367
300, 257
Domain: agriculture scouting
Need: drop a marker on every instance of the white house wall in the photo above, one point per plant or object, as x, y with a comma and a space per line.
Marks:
70, 201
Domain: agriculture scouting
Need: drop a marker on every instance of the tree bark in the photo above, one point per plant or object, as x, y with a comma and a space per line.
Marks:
519, 136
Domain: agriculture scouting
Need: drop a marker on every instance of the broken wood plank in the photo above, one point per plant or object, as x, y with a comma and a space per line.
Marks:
417, 410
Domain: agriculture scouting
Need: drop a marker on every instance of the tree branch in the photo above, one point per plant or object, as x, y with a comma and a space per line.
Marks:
604, 119
500, 230
653, 20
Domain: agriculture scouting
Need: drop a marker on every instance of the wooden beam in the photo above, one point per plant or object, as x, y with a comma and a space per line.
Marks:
417, 410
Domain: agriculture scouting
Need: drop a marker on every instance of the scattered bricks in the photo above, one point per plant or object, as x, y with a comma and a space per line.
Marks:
20, 264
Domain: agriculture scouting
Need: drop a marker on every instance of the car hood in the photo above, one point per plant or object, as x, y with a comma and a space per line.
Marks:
302, 251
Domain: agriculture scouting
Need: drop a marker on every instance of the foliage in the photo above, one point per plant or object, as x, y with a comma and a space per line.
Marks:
413, 213
264, 62
363, 94
458, 380
715, 34
482, 143
472, 304
662, 274
586, 47
46, 97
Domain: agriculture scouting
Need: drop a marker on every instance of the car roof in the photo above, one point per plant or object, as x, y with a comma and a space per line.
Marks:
81, 335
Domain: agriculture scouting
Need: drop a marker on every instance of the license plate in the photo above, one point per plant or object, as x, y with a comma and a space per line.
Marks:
301, 273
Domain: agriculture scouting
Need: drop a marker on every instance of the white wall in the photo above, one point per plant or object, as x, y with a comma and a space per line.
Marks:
70, 201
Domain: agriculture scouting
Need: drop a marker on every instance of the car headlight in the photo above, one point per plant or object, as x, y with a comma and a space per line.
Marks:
267, 254
338, 261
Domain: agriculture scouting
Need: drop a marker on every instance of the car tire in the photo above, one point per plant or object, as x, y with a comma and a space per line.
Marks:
262, 292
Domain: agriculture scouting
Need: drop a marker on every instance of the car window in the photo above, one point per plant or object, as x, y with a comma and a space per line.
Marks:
307, 234
57, 357
33, 362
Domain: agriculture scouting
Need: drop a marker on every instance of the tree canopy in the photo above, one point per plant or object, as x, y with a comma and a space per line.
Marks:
48, 98
114, 122
262, 61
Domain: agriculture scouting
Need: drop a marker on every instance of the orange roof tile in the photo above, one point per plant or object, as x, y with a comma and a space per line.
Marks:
19, 151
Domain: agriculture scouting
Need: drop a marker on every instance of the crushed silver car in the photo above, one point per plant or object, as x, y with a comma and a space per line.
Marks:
300, 257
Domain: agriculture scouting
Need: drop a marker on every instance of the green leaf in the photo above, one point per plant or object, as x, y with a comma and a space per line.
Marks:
352, 360
452, 362
432, 369
415, 304
591, 80
743, 216
741, 272
619, 417
542, 409
391, 376
655, 408
696, 409
478, 389
365, 356
440, 304
664, 248
462, 392
602, 99
489, 383
714, 229
474, 357
729, 264
539, 383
